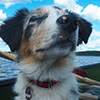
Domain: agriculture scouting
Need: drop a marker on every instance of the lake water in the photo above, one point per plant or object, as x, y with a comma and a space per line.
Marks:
9, 69
86, 60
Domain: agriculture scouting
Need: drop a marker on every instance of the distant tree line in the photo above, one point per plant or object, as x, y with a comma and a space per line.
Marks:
85, 53
88, 53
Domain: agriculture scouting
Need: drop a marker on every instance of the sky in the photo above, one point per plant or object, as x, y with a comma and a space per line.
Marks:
88, 9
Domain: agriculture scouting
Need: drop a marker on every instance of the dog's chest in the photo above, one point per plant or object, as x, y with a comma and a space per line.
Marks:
60, 91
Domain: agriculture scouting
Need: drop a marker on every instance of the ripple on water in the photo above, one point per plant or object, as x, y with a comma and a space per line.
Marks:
9, 69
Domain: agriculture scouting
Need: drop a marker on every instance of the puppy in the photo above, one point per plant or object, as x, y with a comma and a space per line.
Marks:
45, 40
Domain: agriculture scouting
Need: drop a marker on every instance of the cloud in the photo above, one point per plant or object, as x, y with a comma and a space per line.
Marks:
92, 12
1, 42
8, 3
2, 15
69, 4
3, 46
93, 43
95, 33
5, 49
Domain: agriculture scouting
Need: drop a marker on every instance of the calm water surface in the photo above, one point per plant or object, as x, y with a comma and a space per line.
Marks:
9, 69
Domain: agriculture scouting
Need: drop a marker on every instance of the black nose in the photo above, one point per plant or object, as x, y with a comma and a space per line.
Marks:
68, 22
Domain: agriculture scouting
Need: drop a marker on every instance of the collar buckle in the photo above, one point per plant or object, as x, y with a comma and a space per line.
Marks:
50, 84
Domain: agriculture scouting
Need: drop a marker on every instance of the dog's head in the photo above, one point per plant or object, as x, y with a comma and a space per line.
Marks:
45, 32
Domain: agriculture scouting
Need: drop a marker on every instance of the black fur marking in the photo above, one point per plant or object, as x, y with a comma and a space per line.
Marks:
30, 28
84, 30
28, 31
37, 18
12, 29
57, 7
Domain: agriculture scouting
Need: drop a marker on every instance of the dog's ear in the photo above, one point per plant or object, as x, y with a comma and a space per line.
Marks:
85, 29
12, 29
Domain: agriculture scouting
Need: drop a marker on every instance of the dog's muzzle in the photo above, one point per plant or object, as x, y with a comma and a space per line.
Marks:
67, 25
68, 22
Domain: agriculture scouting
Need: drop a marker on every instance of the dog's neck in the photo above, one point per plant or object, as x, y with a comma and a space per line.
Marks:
48, 70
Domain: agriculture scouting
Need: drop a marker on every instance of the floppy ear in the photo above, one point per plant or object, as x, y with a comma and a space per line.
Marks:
85, 29
12, 29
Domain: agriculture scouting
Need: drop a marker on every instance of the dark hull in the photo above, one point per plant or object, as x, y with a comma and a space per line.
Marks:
93, 71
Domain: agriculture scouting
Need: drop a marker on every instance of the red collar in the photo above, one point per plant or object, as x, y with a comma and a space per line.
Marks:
44, 84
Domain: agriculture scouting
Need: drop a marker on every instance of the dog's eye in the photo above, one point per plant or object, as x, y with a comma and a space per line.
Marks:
36, 18
33, 18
